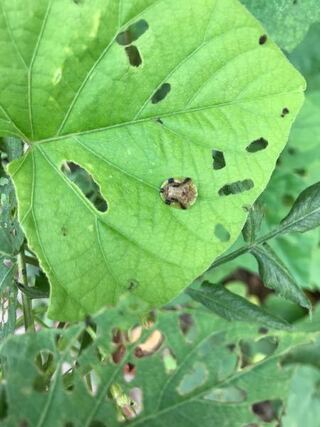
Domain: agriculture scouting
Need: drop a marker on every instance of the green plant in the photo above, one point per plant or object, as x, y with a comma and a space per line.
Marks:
136, 138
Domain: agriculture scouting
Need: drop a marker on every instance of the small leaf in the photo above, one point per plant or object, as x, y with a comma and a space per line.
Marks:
305, 213
233, 307
276, 276
253, 224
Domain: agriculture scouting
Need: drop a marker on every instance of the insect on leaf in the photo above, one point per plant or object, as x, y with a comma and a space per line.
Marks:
71, 89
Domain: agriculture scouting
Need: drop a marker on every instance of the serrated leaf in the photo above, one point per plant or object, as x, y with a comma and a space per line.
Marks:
286, 20
275, 275
72, 89
233, 307
206, 384
305, 213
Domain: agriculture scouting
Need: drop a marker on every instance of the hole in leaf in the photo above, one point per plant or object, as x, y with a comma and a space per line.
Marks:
194, 379
129, 372
236, 187
169, 361
44, 361
151, 345
133, 284
118, 355
135, 334
253, 352
86, 184
263, 39
285, 111
221, 233
136, 395
218, 160
227, 395
263, 330
158, 120
161, 93
258, 145
188, 327
134, 56
267, 410
132, 33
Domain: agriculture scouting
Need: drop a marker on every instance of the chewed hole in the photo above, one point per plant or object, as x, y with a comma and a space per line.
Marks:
151, 345
161, 93
267, 410
187, 327
236, 187
134, 56
132, 33
285, 111
221, 233
169, 361
129, 372
263, 39
86, 184
218, 160
257, 145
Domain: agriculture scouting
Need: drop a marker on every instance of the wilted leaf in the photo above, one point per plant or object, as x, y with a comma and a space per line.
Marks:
233, 307
132, 117
275, 275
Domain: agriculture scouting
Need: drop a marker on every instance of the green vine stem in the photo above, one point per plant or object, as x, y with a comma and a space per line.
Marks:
26, 301
247, 248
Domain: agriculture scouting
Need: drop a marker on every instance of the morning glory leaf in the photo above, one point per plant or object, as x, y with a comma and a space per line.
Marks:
136, 93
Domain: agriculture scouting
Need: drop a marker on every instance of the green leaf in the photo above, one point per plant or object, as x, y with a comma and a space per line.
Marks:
275, 276
305, 213
303, 406
233, 307
306, 57
132, 117
11, 236
205, 382
287, 21
252, 226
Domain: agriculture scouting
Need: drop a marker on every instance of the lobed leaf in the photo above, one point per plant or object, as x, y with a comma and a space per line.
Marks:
196, 374
233, 307
275, 275
305, 213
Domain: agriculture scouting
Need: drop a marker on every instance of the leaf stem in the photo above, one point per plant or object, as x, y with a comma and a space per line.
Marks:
26, 301
246, 248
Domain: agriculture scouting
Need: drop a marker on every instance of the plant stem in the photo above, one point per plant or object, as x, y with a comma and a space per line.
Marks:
26, 301
246, 248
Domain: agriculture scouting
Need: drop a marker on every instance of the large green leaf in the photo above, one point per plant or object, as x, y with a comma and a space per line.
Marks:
201, 374
287, 20
68, 88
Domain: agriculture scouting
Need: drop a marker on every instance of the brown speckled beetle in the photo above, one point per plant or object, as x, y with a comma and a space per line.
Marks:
179, 193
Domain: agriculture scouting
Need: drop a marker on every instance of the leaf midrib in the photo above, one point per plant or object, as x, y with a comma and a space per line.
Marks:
164, 115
